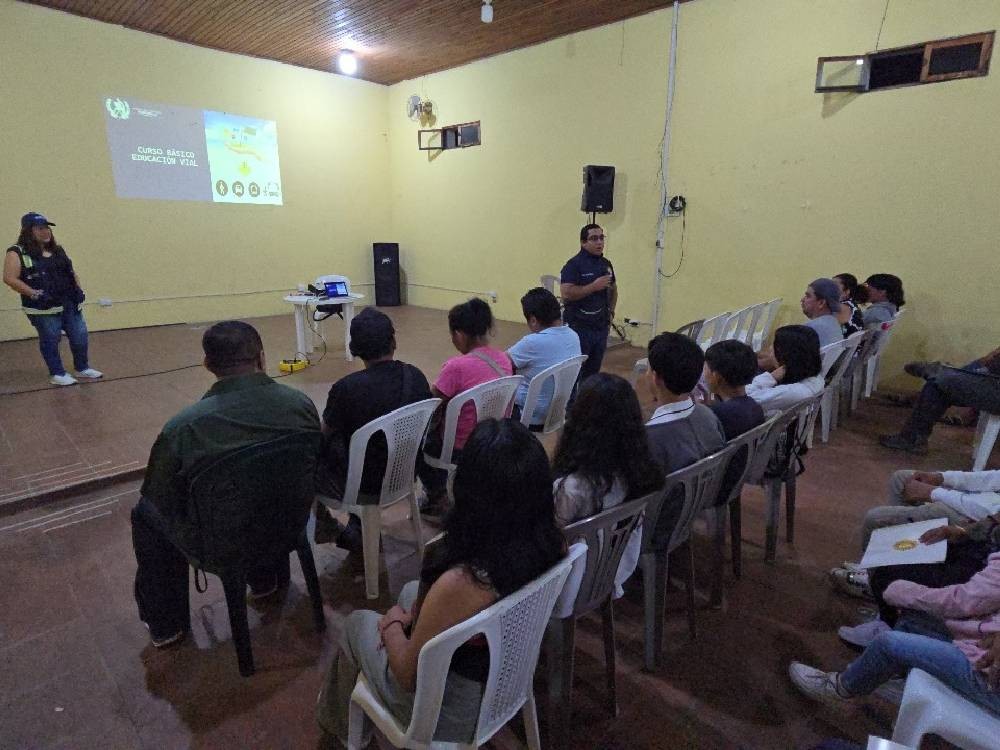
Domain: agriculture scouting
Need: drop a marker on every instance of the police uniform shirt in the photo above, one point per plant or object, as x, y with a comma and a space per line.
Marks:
580, 270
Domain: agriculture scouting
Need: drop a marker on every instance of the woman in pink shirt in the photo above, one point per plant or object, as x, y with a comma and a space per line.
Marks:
950, 645
470, 324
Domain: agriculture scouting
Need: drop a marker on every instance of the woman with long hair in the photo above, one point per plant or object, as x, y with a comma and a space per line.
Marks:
500, 534
603, 459
885, 292
797, 378
37, 268
852, 295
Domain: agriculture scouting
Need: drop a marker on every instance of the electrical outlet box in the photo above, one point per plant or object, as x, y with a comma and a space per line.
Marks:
104, 302
492, 295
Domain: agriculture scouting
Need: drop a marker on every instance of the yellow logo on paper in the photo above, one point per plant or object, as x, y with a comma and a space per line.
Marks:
904, 544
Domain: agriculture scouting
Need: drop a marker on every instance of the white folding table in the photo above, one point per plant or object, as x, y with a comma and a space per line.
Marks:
307, 330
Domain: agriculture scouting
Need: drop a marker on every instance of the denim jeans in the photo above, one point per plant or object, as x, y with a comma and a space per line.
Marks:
50, 328
894, 653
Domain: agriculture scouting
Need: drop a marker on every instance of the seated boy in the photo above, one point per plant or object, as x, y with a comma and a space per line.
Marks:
729, 368
548, 344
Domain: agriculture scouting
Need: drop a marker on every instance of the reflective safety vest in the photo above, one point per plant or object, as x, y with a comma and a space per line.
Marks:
35, 277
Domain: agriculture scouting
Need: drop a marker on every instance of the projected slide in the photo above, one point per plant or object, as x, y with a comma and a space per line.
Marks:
164, 152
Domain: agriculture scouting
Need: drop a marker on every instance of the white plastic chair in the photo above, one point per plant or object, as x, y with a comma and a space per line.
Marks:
551, 283
830, 404
735, 324
563, 377
712, 329
829, 355
404, 431
492, 401
753, 321
514, 628
875, 359
640, 368
987, 430
930, 707
767, 318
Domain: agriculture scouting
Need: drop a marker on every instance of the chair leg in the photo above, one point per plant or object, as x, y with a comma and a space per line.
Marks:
835, 407
418, 531
235, 586
718, 554
790, 506
773, 511
608, 620
736, 535
989, 424
689, 588
371, 534
825, 415
529, 714
308, 565
654, 589
561, 643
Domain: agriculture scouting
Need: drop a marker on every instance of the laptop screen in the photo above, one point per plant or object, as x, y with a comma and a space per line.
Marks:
335, 288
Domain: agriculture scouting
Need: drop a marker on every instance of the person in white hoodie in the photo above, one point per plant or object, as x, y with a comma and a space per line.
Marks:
797, 377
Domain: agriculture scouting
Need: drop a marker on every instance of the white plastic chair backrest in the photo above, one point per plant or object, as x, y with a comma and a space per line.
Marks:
691, 330
829, 355
735, 324
754, 318
563, 376
775, 452
758, 443
641, 367
404, 430
606, 535
851, 344
712, 329
767, 319
884, 334
514, 627
866, 348
930, 707
698, 486
551, 283
492, 400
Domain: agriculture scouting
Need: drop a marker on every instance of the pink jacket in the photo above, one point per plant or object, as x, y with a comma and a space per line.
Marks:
970, 610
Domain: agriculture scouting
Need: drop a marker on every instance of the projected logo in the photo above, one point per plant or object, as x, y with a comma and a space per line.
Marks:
117, 108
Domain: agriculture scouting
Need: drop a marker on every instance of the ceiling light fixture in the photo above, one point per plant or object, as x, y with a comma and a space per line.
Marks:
486, 12
347, 63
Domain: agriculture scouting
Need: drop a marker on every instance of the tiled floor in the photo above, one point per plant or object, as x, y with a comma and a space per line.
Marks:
77, 670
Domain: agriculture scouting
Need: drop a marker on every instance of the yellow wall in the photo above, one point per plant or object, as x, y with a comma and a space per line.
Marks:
56, 69
783, 184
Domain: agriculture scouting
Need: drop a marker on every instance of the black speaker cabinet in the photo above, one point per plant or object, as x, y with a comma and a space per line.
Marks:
386, 274
598, 189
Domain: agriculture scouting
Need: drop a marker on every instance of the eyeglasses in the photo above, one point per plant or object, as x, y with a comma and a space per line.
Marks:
596, 238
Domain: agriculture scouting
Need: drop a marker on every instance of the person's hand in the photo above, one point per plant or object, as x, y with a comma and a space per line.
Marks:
395, 614
990, 661
935, 478
36, 294
943, 534
601, 283
916, 492
778, 373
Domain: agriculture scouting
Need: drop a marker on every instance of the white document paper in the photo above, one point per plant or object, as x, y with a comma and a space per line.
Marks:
900, 545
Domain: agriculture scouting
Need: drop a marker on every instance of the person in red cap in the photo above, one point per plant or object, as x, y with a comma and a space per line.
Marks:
38, 269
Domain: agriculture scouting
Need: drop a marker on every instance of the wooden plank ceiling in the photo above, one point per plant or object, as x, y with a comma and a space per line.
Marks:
394, 39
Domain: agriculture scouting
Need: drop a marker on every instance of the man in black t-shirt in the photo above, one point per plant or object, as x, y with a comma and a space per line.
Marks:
355, 400
587, 286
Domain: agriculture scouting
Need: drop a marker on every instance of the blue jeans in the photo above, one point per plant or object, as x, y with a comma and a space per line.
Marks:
895, 653
50, 328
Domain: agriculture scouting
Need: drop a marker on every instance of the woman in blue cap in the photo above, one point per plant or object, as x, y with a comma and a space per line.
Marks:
39, 270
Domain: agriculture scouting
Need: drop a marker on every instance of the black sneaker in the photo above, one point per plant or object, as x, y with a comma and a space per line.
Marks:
350, 537
328, 528
921, 369
163, 641
901, 443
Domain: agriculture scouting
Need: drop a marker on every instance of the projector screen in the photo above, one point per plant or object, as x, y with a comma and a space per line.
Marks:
165, 152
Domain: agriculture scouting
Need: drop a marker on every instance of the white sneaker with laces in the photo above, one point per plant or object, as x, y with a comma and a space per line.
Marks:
862, 635
817, 684
852, 583
64, 379
90, 372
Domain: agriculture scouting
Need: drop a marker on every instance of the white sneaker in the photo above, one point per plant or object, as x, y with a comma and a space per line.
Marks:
892, 690
90, 372
64, 379
852, 566
817, 684
852, 583
862, 635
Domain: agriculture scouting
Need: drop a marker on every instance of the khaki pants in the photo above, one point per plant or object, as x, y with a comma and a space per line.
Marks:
898, 512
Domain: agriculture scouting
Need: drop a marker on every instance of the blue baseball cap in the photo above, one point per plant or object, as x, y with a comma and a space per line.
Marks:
35, 220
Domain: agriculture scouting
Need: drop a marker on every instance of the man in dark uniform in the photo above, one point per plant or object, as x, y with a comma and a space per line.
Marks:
587, 286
